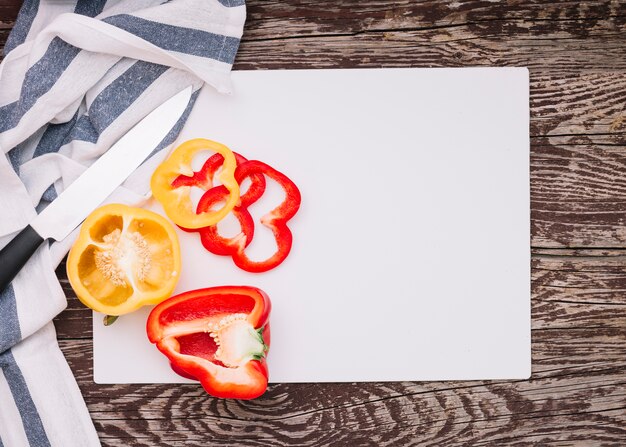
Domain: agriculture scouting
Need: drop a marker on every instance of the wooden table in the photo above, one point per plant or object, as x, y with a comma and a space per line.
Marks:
576, 52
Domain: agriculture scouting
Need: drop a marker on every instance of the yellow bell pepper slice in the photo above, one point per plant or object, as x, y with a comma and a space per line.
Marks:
124, 258
176, 201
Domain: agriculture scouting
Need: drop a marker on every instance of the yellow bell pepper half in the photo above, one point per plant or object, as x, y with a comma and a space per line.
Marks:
124, 258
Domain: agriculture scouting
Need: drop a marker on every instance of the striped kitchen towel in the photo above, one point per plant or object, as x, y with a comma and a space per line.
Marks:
77, 74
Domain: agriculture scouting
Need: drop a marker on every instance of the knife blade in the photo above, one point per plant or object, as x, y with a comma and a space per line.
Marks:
89, 190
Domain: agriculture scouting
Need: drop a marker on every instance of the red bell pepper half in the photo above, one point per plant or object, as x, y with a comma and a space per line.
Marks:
219, 336
276, 220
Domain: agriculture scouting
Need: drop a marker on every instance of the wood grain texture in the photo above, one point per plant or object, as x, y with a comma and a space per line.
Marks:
9, 10
576, 53
558, 37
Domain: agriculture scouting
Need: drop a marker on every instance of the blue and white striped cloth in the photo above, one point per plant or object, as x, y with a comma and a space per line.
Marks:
77, 75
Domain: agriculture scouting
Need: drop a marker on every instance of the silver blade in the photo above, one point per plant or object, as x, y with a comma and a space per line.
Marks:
88, 191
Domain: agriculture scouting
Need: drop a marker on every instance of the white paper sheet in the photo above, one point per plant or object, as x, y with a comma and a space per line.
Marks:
411, 257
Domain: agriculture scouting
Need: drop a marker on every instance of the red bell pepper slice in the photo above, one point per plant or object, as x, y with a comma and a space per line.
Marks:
276, 220
257, 181
219, 336
204, 178
212, 240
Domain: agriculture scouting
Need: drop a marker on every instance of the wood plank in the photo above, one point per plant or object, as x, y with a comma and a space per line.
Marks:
593, 105
9, 10
8, 14
272, 19
575, 291
544, 55
557, 37
578, 191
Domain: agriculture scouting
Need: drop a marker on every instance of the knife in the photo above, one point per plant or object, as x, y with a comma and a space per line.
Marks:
88, 191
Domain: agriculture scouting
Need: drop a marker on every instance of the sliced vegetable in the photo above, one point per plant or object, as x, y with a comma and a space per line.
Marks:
204, 179
124, 258
257, 181
211, 239
219, 336
255, 172
276, 220
174, 194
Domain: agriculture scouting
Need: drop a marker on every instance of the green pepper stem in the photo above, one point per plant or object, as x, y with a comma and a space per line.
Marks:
108, 320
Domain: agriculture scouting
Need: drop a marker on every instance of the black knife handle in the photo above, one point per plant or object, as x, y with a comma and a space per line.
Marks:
15, 254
